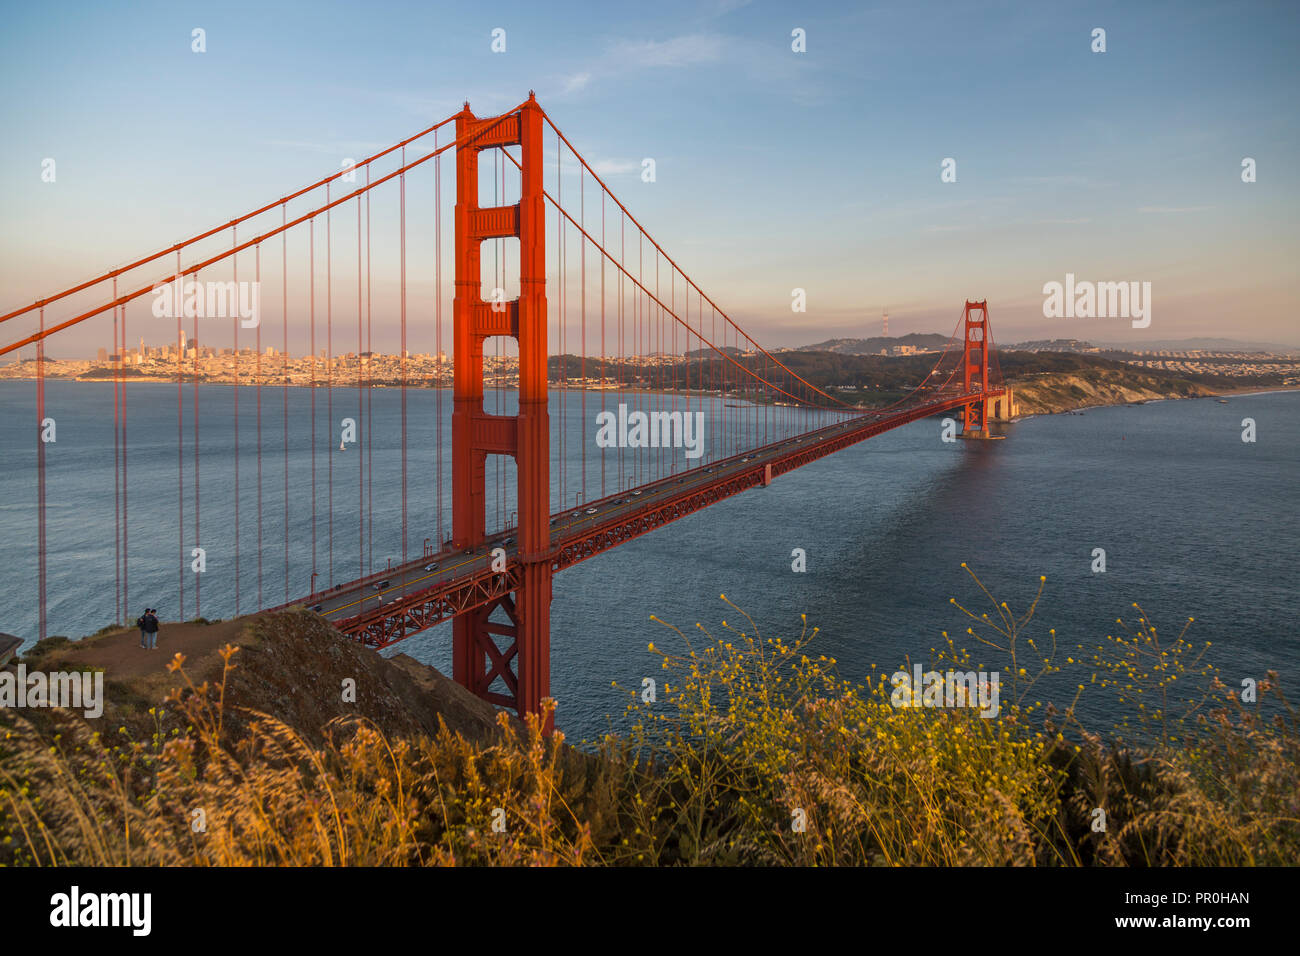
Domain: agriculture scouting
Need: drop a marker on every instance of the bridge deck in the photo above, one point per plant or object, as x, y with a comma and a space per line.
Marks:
386, 607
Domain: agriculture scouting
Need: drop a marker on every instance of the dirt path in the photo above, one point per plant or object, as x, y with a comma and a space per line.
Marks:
121, 655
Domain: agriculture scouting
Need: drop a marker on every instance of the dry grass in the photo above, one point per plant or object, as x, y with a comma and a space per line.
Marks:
754, 753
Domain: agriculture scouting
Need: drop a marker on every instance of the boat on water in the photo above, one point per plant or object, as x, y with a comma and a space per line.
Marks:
1223, 401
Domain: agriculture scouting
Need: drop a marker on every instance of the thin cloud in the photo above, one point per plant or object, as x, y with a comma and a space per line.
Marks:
1173, 209
1062, 179
621, 56
686, 50
615, 167
575, 83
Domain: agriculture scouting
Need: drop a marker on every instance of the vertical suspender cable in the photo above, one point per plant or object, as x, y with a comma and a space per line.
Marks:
126, 550
721, 378
116, 359
622, 353
194, 391
370, 416
180, 440
641, 302
41, 611
311, 284
603, 492
234, 260
257, 373
559, 312
437, 312
329, 375
284, 382
498, 282
402, 188
361, 460
502, 514
582, 287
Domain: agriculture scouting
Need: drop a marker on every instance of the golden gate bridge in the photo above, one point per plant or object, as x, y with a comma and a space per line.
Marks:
601, 315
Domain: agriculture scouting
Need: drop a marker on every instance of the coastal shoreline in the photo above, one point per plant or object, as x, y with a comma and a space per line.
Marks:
1215, 393
1236, 392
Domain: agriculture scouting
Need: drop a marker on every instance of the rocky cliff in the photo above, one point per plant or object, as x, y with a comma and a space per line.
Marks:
1048, 392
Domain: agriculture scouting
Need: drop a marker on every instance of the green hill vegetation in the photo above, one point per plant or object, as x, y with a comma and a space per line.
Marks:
754, 752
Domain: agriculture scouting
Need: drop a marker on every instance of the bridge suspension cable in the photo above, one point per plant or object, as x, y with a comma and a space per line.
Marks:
665, 356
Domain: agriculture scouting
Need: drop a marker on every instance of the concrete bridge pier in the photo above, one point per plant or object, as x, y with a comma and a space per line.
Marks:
997, 408
1001, 408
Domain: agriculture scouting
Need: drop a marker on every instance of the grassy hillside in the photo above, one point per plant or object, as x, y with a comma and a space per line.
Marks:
753, 752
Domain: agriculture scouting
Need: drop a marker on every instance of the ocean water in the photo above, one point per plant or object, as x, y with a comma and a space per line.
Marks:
1194, 523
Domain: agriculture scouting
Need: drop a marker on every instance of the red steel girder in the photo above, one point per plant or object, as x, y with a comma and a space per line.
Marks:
409, 614
624, 526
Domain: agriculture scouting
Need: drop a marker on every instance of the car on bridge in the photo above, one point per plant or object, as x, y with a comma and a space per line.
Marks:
431, 566
380, 585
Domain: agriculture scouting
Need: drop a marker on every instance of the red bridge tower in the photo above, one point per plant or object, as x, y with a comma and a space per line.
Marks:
522, 662
975, 369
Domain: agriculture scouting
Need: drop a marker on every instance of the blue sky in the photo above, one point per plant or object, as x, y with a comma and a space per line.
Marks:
775, 169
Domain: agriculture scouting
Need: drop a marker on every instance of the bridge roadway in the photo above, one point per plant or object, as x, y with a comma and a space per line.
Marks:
386, 607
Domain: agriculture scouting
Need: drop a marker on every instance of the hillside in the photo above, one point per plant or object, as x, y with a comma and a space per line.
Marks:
291, 665
712, 773
873, 345
1044, 393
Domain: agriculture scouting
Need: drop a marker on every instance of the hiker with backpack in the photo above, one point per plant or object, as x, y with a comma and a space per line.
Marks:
140, 623
151, 629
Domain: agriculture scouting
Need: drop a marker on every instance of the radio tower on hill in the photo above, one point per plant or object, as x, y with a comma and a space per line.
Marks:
885, 322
